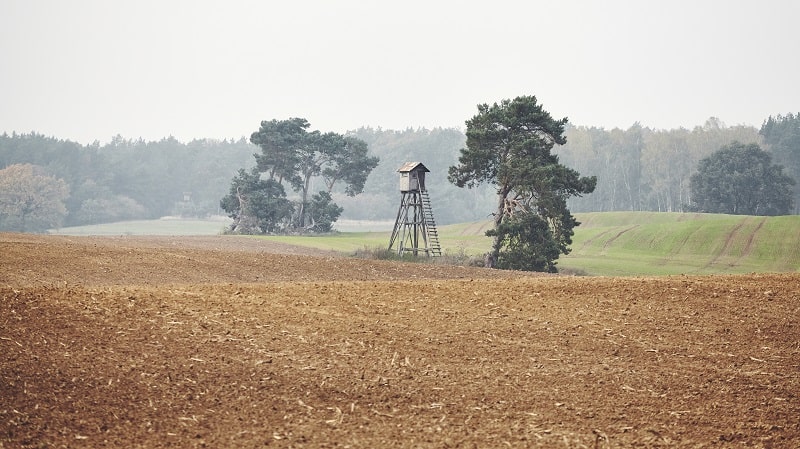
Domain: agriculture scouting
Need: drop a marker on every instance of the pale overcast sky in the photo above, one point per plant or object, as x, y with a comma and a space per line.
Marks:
87, 70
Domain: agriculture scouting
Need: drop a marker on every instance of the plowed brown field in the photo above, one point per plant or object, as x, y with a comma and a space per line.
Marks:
226, 342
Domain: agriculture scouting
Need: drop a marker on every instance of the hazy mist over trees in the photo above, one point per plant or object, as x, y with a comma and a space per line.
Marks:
132, 179
782, 138
637, 168
437, 148
641, 169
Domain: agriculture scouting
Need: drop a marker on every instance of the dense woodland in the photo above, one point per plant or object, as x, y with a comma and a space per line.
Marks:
133, 179
638, 168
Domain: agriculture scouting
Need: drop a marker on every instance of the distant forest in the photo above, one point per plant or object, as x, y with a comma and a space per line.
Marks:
637, 169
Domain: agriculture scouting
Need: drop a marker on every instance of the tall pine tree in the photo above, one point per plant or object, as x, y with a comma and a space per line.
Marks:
509, 146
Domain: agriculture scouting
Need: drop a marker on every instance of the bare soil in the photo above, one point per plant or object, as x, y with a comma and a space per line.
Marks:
228, 342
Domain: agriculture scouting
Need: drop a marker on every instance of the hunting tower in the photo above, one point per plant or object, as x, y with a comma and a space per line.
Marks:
415, 224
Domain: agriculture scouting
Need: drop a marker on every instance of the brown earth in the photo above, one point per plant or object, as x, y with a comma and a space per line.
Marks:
227, 342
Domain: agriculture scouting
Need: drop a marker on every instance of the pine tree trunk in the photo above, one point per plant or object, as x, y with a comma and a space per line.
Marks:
497, 243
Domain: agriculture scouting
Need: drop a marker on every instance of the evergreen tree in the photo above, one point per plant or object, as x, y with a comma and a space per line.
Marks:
257, 206
323, 212
291, 153
509, 146
782, 137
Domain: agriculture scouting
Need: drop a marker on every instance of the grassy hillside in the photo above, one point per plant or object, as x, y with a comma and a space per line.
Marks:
607, 243
673, 243
635, 243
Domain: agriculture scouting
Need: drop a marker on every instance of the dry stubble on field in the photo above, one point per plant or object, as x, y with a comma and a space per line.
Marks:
229, 342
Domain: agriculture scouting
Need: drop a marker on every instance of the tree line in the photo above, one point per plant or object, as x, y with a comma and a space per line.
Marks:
643, 169
126, 179
638, 168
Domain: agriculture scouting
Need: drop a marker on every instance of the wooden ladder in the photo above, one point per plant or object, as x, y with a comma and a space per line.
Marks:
434, 246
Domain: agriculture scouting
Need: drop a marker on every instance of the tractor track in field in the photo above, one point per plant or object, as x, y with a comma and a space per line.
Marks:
733, 237
618, 235
748, 247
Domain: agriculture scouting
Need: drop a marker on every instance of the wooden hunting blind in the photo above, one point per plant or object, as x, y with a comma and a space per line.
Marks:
415, 224
412, 176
